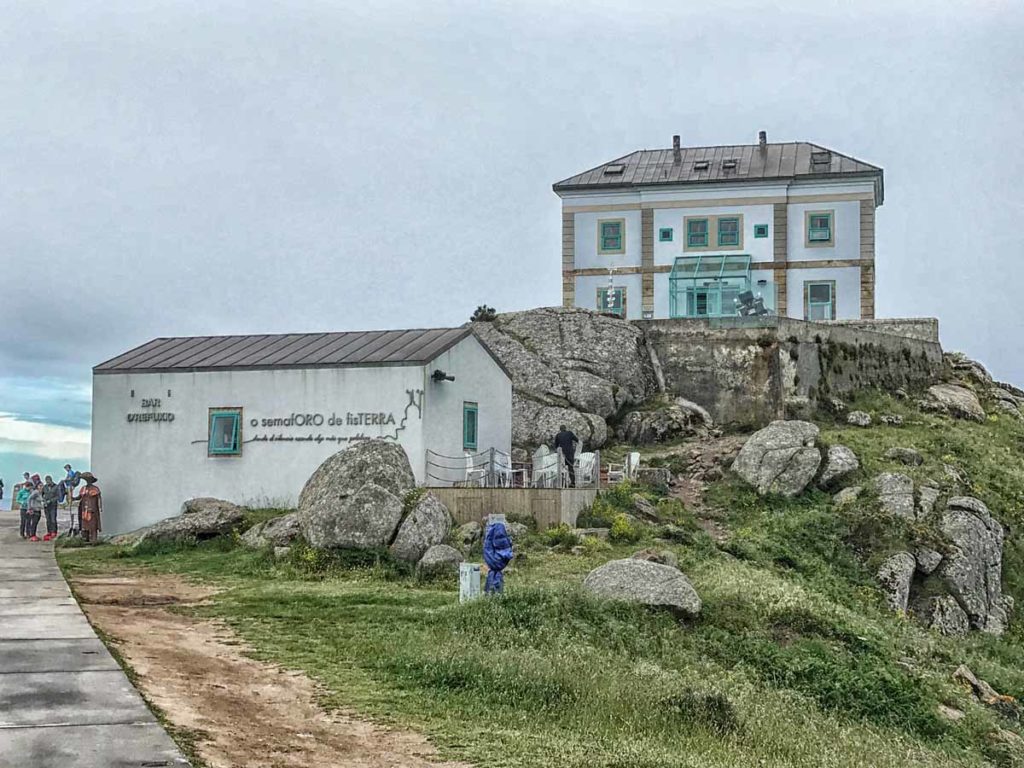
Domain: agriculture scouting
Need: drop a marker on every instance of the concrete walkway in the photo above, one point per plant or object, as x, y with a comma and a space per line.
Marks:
64, 701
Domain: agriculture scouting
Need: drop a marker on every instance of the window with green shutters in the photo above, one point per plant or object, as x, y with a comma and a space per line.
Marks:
611, 235
820, 229
470, 425
697, 233
728, 231
225, 432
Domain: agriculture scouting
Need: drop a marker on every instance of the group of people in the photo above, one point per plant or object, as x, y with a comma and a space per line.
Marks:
36, 498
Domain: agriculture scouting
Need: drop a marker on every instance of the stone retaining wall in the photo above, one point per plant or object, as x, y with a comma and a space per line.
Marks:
921, 328
750, 371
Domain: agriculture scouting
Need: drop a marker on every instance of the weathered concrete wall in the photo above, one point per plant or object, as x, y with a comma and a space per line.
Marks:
548, 506
921, 328
752, 372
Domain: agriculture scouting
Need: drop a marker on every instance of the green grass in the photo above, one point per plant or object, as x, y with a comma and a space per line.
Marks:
794, 661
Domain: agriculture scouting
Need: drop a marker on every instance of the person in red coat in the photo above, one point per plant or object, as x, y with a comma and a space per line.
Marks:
90, 507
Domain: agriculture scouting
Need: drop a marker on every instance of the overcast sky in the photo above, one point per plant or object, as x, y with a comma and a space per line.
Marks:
174, 168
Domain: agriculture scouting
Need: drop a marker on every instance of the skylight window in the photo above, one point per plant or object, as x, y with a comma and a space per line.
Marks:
729, 164
614, 169
821, 158
701, 165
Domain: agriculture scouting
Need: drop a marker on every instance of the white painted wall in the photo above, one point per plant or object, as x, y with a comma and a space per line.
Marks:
587, 256
760, 249
846, 236
146, 469
587, 285
478, 379
847, 290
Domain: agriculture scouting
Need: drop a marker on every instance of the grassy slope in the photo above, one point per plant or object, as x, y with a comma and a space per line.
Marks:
794, 662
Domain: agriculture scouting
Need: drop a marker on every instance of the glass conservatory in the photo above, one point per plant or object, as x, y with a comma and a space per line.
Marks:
710, 285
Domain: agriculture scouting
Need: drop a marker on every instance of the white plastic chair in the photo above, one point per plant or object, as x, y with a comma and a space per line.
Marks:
503, 469
585, 469
474, 475
625, 471
545, 468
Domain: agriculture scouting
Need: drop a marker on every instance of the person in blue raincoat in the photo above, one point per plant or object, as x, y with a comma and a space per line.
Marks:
497, 554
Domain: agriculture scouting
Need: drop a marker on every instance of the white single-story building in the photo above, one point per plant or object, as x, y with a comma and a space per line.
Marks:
249, 418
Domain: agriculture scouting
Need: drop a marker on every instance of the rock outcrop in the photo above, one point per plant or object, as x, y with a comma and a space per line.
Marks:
947, 617
674, 419
896, 494
427, 523
200, 519
840, 463
439, 560
858, 419
895, 575
956, 401
354, 499
278, 532
781, 458
646, 583
973, 570
569, 366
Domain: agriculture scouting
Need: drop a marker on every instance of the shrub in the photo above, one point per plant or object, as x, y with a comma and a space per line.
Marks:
483, 314
560, 536
624, 531
593, 545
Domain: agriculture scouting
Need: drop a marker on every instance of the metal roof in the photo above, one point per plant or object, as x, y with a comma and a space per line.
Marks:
780, 161
290, 350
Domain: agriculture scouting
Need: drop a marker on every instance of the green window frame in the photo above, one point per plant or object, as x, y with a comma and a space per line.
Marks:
612, 301
820, 228
470, 425
819, 304
665, 235
728, 230
696, 233
224, 436
760, 230
611, 236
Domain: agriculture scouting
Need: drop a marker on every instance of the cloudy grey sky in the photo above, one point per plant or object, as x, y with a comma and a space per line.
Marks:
232, 167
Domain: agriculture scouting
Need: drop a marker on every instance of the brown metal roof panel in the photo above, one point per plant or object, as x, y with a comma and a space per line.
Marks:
196, 349
803, 160
414, 349
379, 350
444, 343
787, 162
292, 351
159, 357
351, 352
391, 347
242, 351
305, 352
143, 349
336, 348
198, 357
263, 354
165, 352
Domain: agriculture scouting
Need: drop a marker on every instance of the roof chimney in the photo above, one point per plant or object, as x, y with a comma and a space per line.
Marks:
762, 139
677, 154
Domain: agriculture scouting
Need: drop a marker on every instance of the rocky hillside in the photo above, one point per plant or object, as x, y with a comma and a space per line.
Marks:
569, 366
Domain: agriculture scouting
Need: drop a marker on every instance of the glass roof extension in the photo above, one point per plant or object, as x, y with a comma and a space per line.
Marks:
710, 267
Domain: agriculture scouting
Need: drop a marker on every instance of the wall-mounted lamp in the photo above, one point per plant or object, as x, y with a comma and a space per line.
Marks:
439, 375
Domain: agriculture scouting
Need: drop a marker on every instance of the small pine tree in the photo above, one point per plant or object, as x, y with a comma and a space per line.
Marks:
484, 314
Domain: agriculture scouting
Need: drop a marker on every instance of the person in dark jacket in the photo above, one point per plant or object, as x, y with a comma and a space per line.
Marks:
566, 441
51, 497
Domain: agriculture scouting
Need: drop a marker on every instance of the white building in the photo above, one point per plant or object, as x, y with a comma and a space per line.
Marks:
248, 418
685, 232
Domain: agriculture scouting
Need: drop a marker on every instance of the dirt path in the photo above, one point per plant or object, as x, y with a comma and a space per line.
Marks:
246, 713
